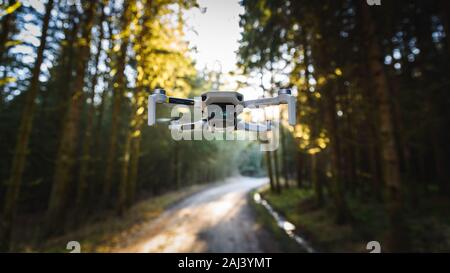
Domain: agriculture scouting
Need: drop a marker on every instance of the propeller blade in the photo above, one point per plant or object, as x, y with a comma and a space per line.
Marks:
167, 120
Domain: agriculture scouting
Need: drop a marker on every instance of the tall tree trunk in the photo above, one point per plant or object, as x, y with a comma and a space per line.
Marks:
135, 136
300, 164
101, 108
66, 156
134, 164
373, 138
86, 157
122, 190
66, 73
390, 161
269, 171
177, 167
315, 179
343, 213
283, 154
119, 93
125, 187
132, 147
432, 104
276, 163
23, 138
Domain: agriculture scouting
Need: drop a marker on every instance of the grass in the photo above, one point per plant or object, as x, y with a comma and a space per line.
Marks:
108, 233
428, 225
285, 243
317, 225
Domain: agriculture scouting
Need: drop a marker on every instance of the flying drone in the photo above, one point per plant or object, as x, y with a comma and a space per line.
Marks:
220, 110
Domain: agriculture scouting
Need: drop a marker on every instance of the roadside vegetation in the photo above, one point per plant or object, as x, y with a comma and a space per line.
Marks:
108, 231
369, 152
429, 226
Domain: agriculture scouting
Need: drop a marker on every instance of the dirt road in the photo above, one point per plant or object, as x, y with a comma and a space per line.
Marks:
218, 219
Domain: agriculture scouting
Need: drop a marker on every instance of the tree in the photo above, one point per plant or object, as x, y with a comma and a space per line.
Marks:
119, 92
67, 148
86, 156
390, 162
23, 138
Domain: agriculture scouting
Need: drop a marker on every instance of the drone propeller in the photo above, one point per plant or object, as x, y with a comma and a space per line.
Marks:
167, 120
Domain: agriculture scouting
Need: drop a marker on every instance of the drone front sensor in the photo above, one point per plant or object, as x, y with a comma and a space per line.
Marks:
220, 109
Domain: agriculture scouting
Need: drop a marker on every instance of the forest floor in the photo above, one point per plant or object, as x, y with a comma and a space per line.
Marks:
210, 218
428, 222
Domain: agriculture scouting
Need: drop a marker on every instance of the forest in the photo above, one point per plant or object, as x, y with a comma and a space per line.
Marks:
369, 150
372, 102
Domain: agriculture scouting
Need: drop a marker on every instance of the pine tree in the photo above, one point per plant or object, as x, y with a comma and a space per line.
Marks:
66, 155
23, 138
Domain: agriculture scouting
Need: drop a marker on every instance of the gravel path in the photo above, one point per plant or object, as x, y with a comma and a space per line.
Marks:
217, 219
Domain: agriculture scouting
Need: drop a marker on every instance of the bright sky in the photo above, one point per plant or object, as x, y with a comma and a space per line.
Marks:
215, 33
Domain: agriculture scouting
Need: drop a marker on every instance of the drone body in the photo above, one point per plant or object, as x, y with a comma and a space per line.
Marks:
220, 110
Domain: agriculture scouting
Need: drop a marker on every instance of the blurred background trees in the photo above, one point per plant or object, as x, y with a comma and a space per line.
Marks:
73, 101
371, 84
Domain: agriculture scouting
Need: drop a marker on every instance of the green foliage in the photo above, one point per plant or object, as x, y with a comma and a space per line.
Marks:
250, 161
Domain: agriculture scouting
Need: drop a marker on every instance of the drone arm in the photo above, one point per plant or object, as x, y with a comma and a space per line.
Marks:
152, 101
282, 98
291, 101
262, 102
197, 125
254, 127
179, 101
159, 96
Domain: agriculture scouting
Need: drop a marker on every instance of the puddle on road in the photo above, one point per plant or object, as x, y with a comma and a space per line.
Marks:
285, 225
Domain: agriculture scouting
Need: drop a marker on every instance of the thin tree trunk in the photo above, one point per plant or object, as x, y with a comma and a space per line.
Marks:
66, 156
269, 171
283, 152
86, 157
119, 92
300, 164
23, 138
276, 163
390, 161
123, 193
315, 179
136, 119
432, 103
178, 167
374, 143
343, 213
101, 108
134, 163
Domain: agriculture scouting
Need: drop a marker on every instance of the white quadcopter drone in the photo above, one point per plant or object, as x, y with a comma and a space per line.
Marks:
220, 109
